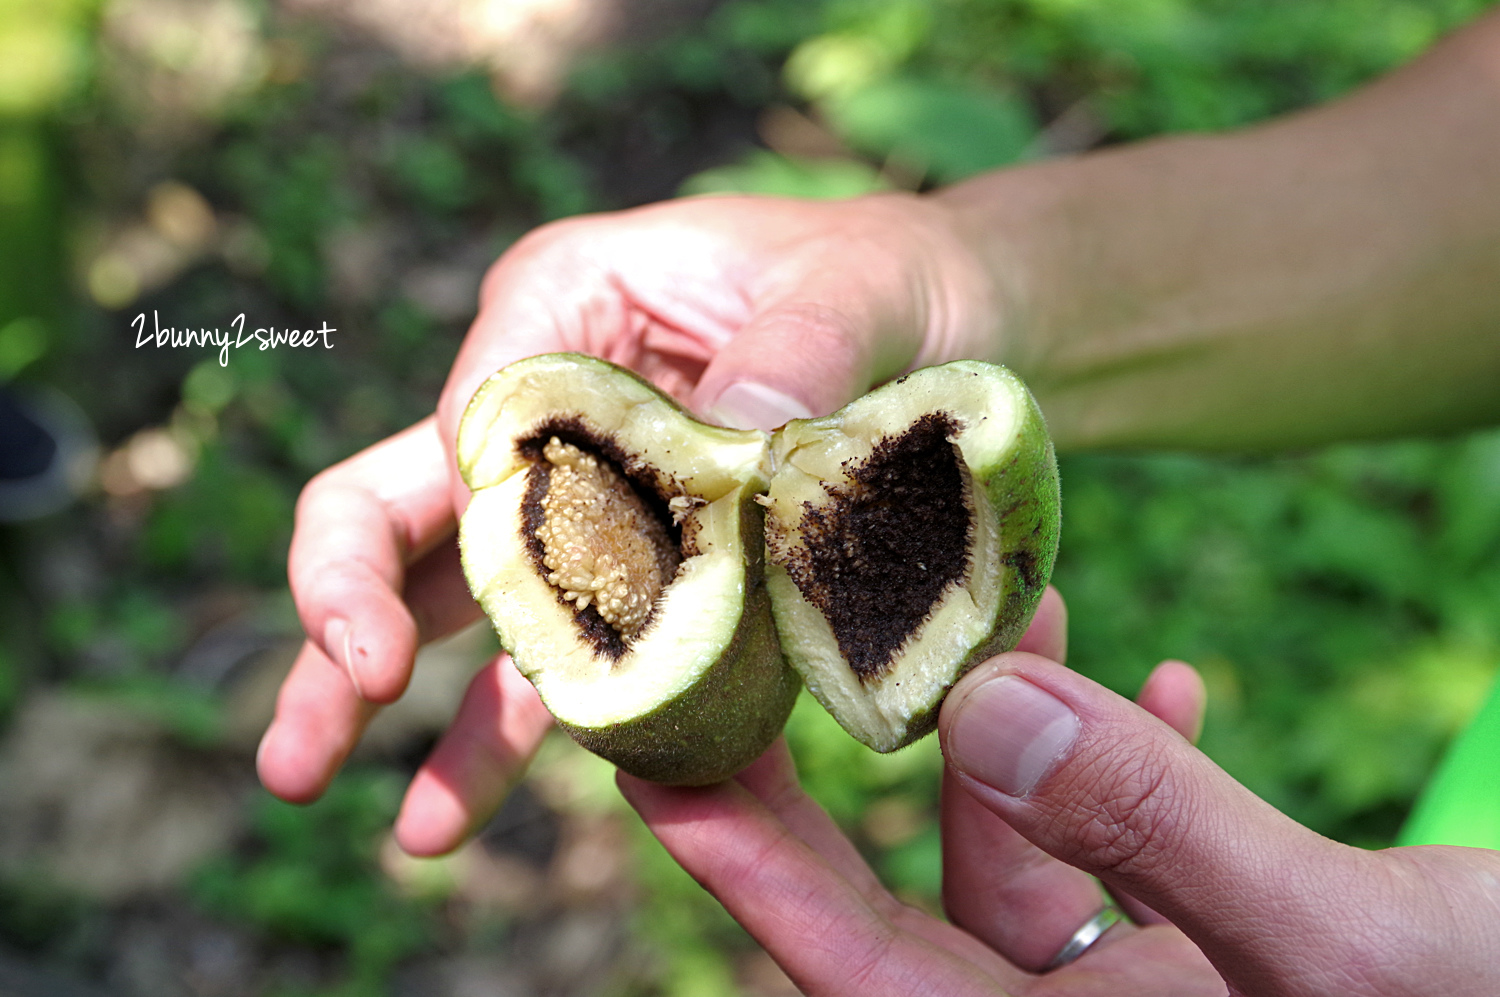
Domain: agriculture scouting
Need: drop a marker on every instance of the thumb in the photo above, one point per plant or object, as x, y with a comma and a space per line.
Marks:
1103, 785
803, 356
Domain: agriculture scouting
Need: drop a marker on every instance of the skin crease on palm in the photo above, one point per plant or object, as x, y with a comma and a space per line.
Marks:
1339, 237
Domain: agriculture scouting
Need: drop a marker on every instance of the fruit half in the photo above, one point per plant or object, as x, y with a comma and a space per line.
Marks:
910, 536
616, 545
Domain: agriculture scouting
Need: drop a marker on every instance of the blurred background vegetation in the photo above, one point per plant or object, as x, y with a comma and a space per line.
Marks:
360, 164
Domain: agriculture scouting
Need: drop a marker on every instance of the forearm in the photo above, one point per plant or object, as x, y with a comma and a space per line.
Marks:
1331, 275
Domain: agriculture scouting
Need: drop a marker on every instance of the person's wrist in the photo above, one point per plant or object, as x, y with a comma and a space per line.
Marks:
1002, 223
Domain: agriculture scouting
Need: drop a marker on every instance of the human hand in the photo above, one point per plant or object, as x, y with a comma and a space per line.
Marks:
751, 311
1225, 893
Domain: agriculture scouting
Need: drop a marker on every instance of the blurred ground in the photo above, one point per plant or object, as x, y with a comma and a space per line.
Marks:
361, 165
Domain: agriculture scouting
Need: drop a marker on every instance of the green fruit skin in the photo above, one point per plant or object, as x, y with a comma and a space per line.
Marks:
1025, 493
730, 715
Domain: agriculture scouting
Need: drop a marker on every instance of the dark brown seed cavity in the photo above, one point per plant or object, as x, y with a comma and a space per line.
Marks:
878, 554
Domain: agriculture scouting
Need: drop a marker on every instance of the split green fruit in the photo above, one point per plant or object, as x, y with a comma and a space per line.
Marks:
910, 536
615, 543
620, 547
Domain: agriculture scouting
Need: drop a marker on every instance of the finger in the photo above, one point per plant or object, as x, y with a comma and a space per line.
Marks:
558, 289
997, 885
772, 779
319, 718
1175, 694
819, 927
1048, 633
359, 524
499, 726
437, 594
530, 303
1002, 889
846, 308
1101, 784
806, 353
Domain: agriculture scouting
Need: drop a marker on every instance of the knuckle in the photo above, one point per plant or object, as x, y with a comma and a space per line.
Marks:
323, 501
534, 260
817, 338
316, 490
328, 583
543, 238
820, 323
560, 236
1127, 824
536, 243
332, 494
868, 965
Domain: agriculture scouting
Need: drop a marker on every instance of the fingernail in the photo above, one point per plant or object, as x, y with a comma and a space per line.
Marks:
1009, 734
338, 644
748, 405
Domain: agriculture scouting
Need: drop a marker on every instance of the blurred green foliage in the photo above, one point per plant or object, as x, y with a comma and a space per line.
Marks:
952, 88
937, 129
1343, 605
42, 61
1178, 65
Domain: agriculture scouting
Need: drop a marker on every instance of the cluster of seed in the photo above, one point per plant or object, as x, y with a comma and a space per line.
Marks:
600, 543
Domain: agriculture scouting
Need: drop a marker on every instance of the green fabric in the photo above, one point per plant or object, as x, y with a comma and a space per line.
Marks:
1461, 805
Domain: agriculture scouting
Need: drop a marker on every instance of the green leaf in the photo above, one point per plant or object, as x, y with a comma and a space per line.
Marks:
940, 130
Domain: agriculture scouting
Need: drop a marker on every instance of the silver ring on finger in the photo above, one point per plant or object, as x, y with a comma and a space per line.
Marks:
1093, 929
